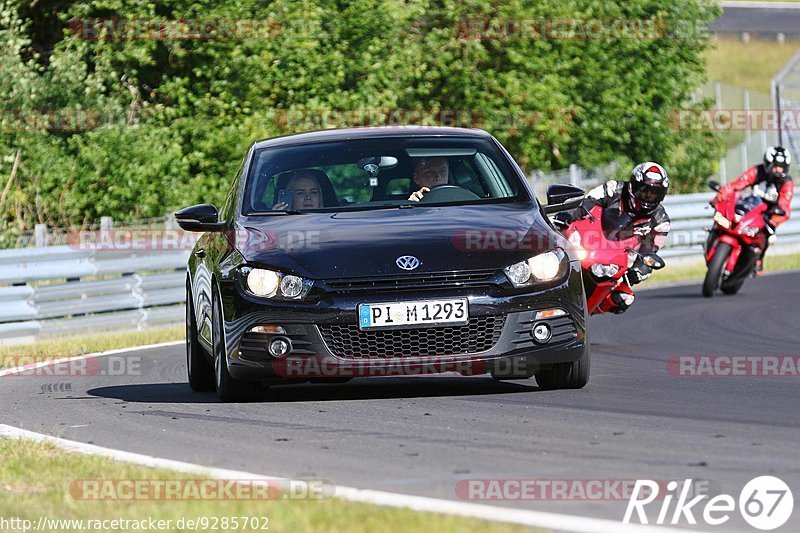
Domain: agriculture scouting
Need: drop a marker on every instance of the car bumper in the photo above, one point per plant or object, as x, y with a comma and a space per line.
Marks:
323, 334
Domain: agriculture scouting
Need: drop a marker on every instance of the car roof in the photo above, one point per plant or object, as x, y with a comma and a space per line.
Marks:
344, 134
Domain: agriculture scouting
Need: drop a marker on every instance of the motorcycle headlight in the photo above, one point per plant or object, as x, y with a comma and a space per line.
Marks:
604, 271
575, 241
750, 232
270, 283
546, 266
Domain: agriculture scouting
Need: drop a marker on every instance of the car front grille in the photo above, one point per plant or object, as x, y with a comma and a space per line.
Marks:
349, 342
436, 280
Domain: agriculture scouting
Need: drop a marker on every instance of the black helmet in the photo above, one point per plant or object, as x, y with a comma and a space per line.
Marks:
647, 188
777, 155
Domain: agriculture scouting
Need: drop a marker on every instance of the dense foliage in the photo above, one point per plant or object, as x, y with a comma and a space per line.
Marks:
125, 122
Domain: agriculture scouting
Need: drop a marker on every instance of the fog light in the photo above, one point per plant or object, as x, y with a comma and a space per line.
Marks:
279, 347
541, 333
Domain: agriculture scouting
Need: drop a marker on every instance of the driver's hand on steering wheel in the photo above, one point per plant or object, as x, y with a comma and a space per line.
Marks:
416, 196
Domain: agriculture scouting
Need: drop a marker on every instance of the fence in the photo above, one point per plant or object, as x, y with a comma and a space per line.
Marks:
52, 291
786, 96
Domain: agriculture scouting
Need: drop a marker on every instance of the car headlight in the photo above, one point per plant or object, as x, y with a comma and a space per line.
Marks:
270, 283
543, 267
604, 271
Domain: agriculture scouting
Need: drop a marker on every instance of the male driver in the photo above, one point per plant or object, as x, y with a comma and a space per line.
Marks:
428, 173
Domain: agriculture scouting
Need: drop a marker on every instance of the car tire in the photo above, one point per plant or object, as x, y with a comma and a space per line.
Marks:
715, 268
199, 372
228, 388
573, 375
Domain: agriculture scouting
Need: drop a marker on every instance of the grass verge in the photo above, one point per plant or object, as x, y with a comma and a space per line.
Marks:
748, 65
37, 479
772, 263
79, 345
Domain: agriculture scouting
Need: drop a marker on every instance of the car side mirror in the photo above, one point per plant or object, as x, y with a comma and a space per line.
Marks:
562, 197
202, 217
714, 185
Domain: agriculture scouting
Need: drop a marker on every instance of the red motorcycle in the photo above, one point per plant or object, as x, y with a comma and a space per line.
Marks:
730, 254
607, 247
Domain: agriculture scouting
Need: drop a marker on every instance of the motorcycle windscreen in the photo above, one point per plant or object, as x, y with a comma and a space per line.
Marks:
617, 225
747, 204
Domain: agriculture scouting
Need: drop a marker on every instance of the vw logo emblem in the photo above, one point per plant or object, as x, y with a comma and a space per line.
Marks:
407, 262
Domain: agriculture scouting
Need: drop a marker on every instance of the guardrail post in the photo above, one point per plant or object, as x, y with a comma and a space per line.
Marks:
106, 223
746, 95
169, 221
40, 235
574, 175
743, 151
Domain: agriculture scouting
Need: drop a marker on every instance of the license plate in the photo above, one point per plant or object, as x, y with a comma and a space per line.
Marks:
399, 314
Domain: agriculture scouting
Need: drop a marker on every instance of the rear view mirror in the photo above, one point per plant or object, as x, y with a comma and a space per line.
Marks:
714, 185
373, 164
777, 211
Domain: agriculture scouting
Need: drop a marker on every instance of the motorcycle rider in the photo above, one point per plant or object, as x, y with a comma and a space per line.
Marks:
640, 198
771, 182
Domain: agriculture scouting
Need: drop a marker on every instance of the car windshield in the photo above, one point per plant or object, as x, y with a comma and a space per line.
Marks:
379, 173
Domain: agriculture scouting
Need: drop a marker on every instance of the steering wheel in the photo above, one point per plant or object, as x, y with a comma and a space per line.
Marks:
448, 193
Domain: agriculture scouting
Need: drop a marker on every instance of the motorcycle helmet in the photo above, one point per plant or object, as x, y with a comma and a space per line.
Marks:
647, 188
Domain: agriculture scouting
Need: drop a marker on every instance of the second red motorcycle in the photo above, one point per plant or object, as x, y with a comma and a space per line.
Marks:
731, 253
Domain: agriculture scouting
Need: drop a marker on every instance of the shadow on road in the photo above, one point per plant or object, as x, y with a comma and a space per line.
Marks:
357, 389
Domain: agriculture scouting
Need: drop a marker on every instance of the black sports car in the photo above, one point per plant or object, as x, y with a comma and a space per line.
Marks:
381, 251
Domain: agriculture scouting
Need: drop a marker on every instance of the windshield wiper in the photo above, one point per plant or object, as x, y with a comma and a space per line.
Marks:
277, 212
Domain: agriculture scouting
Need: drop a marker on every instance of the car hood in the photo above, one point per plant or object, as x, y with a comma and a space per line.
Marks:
368, 243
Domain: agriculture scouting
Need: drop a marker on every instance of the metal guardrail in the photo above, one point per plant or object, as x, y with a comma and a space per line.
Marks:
57, 290
54, 291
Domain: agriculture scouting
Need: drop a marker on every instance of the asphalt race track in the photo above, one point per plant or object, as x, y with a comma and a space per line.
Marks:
422, 435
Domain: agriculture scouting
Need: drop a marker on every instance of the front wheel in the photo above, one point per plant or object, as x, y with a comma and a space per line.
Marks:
201, 378
715, 269
228, 388
574, 375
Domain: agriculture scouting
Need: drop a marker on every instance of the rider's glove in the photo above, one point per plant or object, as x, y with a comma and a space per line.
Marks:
770, 227
636, 276
562, 220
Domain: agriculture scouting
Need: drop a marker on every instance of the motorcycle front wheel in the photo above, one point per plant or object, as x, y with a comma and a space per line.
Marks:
715, 268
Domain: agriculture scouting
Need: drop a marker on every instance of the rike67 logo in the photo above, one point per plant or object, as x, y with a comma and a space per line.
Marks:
765, 502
